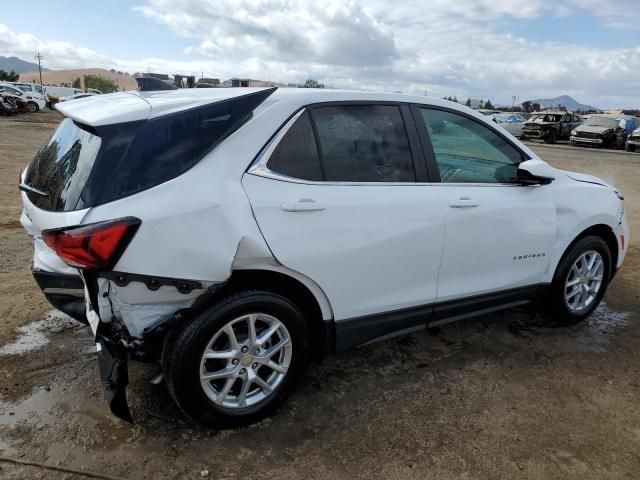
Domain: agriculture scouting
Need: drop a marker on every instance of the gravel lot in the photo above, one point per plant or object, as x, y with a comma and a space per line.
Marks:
509, 395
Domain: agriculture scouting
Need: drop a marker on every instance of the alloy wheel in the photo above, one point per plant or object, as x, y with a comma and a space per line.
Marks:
584, 281
245, 361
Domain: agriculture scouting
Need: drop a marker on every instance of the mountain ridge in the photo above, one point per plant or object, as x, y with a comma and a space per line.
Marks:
17, 65
566, 101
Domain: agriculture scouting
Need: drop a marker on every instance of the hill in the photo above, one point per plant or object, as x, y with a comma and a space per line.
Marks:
59, 77
17, 65
566, 101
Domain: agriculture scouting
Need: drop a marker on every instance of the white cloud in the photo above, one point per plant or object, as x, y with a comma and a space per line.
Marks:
443, 47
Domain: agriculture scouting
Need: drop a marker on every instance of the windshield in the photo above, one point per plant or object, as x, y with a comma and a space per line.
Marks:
547, 117
607, 122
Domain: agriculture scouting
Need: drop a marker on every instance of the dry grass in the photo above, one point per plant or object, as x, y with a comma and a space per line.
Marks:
57, 77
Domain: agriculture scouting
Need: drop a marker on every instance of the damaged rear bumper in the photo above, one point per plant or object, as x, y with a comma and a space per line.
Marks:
114, 374
124, 330
63, 291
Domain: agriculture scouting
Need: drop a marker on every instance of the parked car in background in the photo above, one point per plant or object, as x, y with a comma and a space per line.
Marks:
550, 126
487, 111
315, 221
9, 104
601, 131
34, 88
633, 141
76, 96
60, 92
33, 101
511, 122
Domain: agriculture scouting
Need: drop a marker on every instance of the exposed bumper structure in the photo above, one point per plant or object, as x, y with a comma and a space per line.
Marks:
114, 373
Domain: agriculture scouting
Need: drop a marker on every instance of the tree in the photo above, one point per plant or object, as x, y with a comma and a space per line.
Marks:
468, 104
481, 104
76, 83
535, 107
455, 99
8, 76
488, 105
312, 83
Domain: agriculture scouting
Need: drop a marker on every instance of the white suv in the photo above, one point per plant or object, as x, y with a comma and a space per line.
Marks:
234, 235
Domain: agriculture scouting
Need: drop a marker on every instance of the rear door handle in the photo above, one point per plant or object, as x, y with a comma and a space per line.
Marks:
303, 205
463, 202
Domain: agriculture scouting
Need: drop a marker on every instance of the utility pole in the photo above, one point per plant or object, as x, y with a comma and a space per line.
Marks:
39, 57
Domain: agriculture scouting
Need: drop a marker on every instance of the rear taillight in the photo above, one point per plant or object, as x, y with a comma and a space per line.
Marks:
97, 246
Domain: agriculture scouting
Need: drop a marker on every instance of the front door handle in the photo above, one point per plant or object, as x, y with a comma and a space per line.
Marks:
463, 202
303, 205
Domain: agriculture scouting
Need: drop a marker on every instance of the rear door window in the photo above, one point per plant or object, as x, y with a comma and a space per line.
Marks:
363, 143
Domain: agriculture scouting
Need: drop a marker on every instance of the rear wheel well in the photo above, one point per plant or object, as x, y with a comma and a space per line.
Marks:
604, 232
320, 332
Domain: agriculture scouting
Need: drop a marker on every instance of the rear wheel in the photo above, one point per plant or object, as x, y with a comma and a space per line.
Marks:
237, 361
631, 148
581, 280
32, 107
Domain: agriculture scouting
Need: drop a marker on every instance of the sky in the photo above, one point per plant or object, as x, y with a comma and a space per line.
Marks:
496, 49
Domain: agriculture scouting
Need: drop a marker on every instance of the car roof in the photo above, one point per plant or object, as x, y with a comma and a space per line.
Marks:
134, 105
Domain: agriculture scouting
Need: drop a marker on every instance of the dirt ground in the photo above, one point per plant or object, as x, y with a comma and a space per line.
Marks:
510, 395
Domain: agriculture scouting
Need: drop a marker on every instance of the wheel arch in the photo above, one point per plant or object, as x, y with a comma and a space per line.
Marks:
599, 230
316, 310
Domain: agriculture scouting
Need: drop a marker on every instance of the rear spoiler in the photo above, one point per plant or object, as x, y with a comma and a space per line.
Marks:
151, 84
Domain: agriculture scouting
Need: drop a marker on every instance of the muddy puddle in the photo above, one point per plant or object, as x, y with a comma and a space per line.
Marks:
35, 335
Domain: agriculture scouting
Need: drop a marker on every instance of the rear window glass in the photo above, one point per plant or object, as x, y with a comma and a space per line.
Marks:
62, 166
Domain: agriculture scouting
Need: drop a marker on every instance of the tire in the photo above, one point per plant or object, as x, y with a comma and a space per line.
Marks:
183, 364
631, 148
551, 137
561, 307
32, 107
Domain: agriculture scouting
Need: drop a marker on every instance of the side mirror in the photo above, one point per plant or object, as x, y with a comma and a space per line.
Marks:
535, 172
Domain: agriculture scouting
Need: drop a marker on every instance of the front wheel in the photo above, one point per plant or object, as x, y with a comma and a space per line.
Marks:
237, 361
581, 280
32, 107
